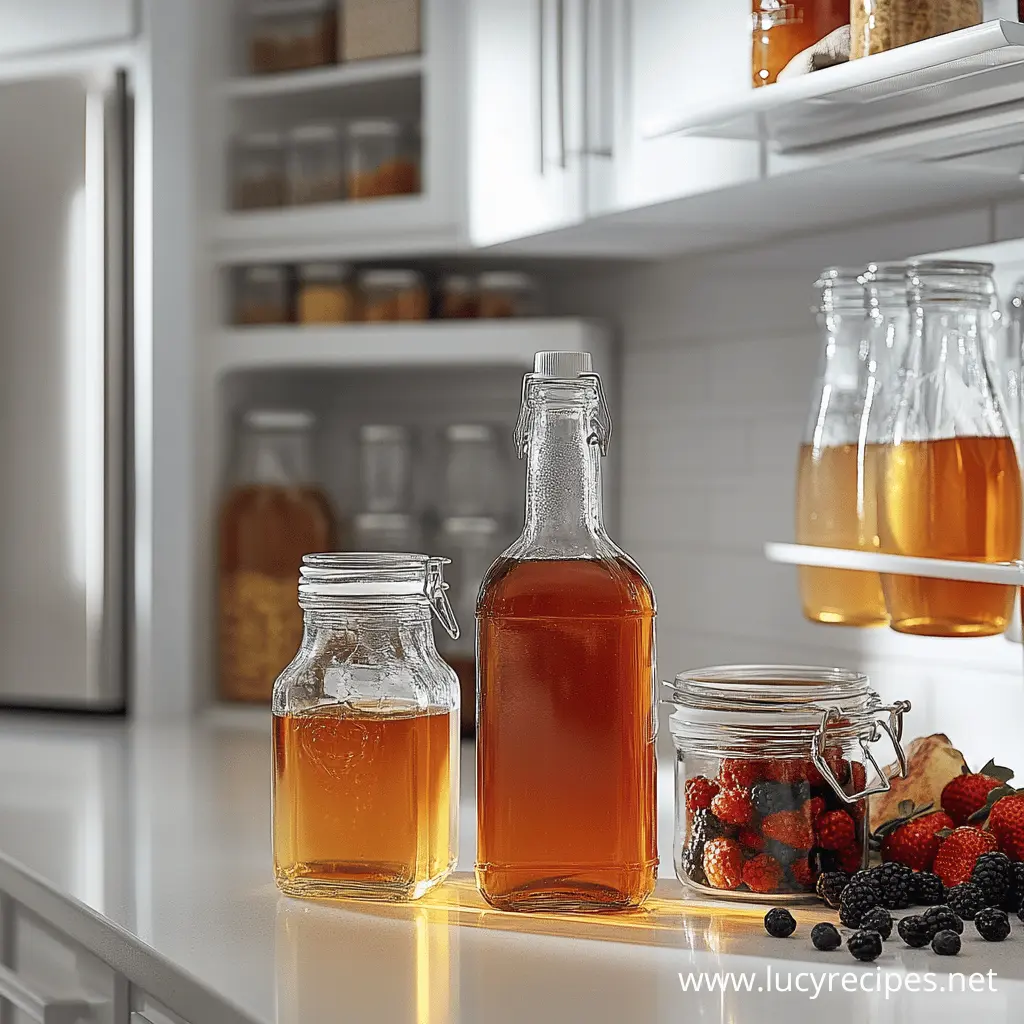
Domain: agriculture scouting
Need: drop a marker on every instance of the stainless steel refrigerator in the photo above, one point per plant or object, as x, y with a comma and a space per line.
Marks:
65, 371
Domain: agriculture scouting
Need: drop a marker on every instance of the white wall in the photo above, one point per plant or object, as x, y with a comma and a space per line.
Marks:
718, 362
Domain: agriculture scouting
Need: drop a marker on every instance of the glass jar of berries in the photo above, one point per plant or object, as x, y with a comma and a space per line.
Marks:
772, 774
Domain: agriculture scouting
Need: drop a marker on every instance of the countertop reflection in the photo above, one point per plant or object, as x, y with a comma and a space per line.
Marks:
166, 832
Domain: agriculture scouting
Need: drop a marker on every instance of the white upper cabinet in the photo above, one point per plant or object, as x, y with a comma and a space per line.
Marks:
42, 25
525, 93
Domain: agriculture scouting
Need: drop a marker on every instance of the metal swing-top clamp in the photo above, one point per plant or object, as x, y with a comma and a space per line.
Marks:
437, 595
892, 727
568, 367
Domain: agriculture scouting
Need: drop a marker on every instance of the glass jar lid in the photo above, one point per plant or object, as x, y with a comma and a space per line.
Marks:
279, 419
951, 282
376, 128
842, 290
323, 273
885, 286
505, 281
396, 279
376, 580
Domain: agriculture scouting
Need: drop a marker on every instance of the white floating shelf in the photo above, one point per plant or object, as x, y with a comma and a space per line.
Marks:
326, 79
900, 565
432, 343
958, 76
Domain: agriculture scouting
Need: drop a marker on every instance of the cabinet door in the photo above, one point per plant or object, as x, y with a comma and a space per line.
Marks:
664, 57
58, 24
525, 100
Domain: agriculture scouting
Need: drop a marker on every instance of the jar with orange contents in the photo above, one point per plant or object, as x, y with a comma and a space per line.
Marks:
383, 160
782, 30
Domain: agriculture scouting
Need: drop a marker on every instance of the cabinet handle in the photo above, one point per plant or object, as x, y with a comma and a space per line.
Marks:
598, 93
541, 86
37, 1006
560, 58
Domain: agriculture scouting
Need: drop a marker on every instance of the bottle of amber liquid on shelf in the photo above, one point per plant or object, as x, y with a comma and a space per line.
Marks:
566, 815
950, 484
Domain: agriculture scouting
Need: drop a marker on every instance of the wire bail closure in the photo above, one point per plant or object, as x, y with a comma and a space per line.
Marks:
892, 727
437, 595
602, 433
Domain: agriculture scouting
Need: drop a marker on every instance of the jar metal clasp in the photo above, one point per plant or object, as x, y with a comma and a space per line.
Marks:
892, 726
437, 595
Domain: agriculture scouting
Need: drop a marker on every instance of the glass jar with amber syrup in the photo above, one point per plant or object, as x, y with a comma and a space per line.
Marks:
763, 754
835, 502
566, 813
366, 733
782, 30
950, 484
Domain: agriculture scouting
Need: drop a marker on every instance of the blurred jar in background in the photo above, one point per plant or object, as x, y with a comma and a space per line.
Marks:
782, 30
273, 515
385, 464
475, 474
836, 478
950, 486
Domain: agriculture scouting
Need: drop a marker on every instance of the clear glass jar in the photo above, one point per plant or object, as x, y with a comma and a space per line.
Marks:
288, 35
383, 159
762, 753
385, 460
565, 639
950, 483
273, 514
315, 172
386, 531
393, 295
506, 293
261, 295
459, 299
258, 171
472, 543
475, 473
366, 733
879, 25
836, 476
782, 30
326, 294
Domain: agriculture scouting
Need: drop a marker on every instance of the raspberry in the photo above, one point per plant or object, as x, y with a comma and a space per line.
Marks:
915, 842
1006, 822
789, 827
825, 936
732, 806
878, 919
723, 863
779, 923
914, 931
859, 775
992, 924
762, 873
865, 945
699, 793
835, 830
830, 886
750, 839
965, 900
851, 859
739, 773
818, 807
802, 873
959, 851
993, 875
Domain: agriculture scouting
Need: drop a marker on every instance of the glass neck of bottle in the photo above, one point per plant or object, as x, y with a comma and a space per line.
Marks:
564, 512
282, 458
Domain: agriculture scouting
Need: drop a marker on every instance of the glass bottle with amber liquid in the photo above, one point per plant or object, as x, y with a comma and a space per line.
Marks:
950, 484
566, 816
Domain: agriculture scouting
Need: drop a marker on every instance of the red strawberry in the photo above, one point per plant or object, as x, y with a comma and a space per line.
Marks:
790, 827
1006, 821
751, 839
762, 873
851, 859
818, 806
915, 843
740, 773
835, 830
968, 792
732, 806
723, 863
802, 873
699, 793
958, 851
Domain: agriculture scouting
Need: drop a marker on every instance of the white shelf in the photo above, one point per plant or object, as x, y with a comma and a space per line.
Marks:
326, 79
961, 75
432, 343
900, 565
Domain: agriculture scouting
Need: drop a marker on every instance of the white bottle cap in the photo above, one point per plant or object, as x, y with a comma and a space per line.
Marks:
564, 365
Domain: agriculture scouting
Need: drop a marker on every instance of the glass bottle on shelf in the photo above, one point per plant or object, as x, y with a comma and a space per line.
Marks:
566, 815
835, 504
273, 515
385, 457
950, 484
366, 733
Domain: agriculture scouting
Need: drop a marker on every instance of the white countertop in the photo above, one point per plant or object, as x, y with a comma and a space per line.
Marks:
166, 833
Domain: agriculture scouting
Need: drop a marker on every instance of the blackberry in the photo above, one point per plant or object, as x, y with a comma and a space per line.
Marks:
966, 899
865, 946
693, 863
941, 918
993, 875
993, 925
830, 886
773, 797
928, 890
877, 919
896, 882
857, 899
823, 861
1016, 893
914, 931
825, 936
800, 794
1020, 911
946, 943
779, 922
705, 826
784, 854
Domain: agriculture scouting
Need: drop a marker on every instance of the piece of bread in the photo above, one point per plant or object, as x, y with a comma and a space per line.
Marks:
933, 761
